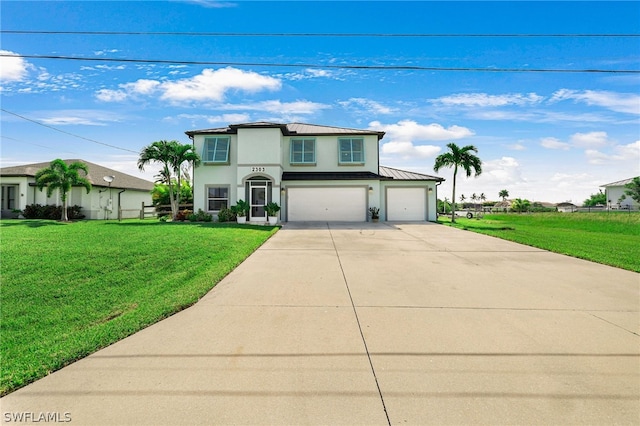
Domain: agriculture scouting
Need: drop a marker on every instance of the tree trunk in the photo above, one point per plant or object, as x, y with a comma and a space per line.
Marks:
65, 216
453, 197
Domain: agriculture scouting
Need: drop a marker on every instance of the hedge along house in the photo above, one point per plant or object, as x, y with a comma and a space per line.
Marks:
114, 194
315, 173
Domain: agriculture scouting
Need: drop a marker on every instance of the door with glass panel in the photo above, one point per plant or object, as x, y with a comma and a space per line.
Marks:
257, 200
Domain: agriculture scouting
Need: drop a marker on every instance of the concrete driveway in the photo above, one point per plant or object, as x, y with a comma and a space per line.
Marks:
374, 324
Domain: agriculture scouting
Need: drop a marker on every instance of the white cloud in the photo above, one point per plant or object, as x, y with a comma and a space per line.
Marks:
409, 130
504, 170
210, 85
553, 143
370, 106
276, 106
12, 68
589, 140
212, 119
597, 157
77, 117
486, 100
619, 102
630, 151
408, 150
516, 147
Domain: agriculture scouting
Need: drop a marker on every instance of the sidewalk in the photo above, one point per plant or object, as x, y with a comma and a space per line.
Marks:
374, 324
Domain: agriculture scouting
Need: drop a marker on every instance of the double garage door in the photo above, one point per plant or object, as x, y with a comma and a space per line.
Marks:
349, 204
329, 204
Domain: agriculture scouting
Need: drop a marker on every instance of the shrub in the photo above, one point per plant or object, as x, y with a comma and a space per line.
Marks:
183, 215
201, 216
37, 211
226, 215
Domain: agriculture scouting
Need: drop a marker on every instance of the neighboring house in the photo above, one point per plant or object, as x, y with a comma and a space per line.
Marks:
614, 192
315, 173
125, 194
566, 207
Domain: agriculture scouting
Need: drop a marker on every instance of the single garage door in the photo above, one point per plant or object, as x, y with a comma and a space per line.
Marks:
406, 204
327, 204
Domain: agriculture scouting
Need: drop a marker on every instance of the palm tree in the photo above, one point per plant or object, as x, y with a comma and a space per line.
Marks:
183, 154
459, 157
161, 152
504, 194
62, 176
171, 155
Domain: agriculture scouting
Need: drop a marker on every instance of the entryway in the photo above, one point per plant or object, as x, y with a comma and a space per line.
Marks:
259, 189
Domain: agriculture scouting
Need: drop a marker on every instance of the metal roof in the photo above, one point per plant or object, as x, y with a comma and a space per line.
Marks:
95, 175
290, 129
619, 183
397, 174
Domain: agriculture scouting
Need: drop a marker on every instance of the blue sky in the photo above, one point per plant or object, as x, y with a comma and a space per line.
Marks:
546, 136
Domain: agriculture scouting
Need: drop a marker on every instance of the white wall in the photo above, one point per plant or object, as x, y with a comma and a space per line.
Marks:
614, 193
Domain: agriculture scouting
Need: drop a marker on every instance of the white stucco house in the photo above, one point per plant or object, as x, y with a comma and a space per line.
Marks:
314, 172
614, 192
122, 196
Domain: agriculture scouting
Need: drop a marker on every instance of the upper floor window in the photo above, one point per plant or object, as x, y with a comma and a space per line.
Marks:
216, 150
351, 150
303, 151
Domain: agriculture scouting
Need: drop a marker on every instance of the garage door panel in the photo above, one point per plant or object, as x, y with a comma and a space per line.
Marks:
406, 204
327, 204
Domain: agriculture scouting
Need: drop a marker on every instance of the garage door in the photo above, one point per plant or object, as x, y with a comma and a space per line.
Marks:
404, 204
327, 204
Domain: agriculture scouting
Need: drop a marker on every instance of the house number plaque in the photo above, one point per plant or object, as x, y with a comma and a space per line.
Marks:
258, 169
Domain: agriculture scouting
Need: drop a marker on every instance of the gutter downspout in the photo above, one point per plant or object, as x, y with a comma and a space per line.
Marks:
119, 206
437, 185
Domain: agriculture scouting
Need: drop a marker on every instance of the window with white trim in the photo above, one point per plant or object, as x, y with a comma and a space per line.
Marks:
351, 150
216, 150
217, 198
303, 151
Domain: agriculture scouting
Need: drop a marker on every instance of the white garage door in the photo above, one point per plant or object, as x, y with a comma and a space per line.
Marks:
327, 204
406, 204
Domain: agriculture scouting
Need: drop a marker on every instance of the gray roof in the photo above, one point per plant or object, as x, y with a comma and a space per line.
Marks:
397, 174
619, 183
291, 129
96, 173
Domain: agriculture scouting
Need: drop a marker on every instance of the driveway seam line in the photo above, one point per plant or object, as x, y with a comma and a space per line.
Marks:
614, 324
364, 342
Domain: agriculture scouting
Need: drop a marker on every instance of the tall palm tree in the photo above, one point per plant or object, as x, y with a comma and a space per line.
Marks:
504, 194
183, 154
161, 152
171, 155
62, 176
459, 157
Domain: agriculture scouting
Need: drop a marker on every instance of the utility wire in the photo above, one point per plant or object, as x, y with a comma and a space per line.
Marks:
381, 35
67, 133
349, 67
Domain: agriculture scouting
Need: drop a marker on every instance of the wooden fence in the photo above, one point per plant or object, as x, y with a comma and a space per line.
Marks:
153, 211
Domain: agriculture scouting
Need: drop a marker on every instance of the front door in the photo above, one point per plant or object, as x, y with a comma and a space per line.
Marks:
257, 201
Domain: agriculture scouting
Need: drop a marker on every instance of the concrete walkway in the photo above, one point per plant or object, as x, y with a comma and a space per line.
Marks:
373, 324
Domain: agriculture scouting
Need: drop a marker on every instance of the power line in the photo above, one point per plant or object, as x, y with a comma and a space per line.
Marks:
354, 35
67, 133
348, 67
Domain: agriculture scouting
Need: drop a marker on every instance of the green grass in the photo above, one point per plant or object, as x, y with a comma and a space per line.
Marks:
69, 289
607, 238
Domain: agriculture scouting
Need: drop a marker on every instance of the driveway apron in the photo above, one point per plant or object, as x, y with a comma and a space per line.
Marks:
373, 324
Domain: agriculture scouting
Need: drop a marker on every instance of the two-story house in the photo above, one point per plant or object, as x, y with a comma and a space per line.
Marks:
315, 173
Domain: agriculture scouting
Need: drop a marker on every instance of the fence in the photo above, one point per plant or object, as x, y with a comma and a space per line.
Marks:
153, 211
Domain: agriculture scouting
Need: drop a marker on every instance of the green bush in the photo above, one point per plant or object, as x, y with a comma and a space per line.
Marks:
201, 216
226, 215
37, 211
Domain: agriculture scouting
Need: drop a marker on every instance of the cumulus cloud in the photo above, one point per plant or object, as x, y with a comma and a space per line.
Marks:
77, 117
516, 147
589, 140
504, 170
276, 106
408, 150
596, 157
367, 105
554, 143
620, 102
210, 85
630, 151
409, 130
12, 68
486, 100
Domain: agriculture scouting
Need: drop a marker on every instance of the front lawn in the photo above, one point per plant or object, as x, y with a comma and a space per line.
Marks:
69, 289
609, 238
